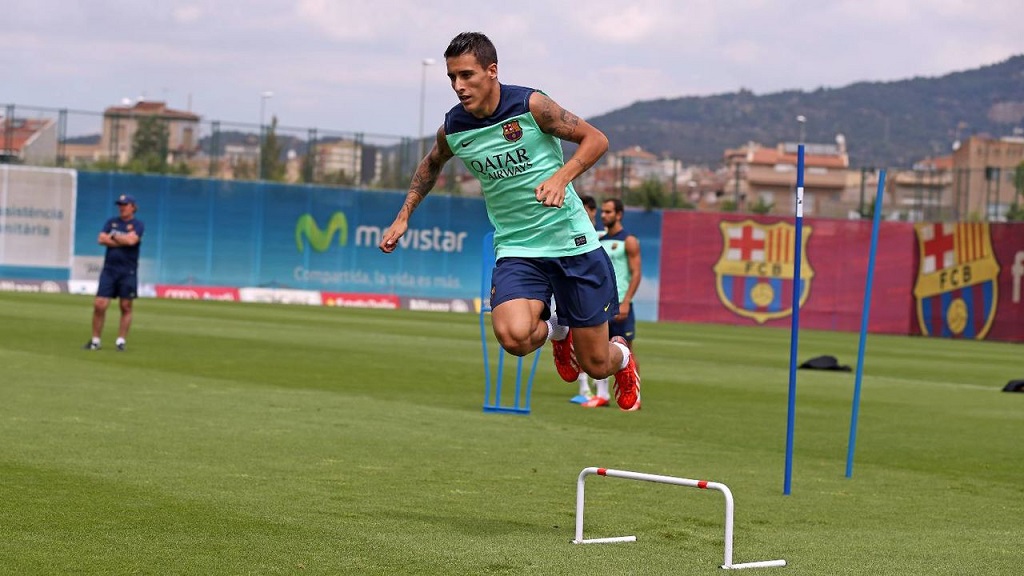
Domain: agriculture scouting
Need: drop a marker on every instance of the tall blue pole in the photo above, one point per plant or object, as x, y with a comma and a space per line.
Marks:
798, 286
854, 413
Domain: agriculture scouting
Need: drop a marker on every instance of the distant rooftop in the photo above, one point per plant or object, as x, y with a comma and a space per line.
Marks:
150, 108
17, 132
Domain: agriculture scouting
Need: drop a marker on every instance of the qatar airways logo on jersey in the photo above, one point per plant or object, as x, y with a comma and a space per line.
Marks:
501, 166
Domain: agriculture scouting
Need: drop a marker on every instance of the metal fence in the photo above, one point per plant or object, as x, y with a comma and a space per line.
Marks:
89, 140
107, 141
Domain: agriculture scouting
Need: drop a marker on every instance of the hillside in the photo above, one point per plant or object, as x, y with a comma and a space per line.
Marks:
885, 123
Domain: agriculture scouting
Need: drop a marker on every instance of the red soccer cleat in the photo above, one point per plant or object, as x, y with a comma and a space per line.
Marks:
596, 402
627, 383
565, 359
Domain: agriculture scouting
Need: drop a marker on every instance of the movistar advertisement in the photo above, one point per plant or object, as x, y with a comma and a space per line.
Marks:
260, 242
269, 236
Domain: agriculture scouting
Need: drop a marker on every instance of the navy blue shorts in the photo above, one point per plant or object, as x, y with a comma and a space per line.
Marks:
625, 328
583, 286
123, 284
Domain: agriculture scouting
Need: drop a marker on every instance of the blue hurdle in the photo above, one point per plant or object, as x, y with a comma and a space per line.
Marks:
520, 402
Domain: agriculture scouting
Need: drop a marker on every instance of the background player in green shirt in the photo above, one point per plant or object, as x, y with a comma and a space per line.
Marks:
545, 245
624, 251
585, 393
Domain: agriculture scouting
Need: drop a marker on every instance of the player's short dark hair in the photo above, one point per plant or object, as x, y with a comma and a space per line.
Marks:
617, 202
589, 202
475, 43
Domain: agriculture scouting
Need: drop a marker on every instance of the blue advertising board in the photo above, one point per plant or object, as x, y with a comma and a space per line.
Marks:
231, 233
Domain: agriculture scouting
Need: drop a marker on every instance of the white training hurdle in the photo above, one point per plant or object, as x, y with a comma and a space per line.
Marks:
702, 484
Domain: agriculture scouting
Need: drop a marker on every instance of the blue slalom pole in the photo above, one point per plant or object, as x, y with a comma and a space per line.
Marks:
864, 324
795, 330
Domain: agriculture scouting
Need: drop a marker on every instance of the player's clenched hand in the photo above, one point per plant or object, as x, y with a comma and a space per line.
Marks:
550, 194
623, 312
389, 239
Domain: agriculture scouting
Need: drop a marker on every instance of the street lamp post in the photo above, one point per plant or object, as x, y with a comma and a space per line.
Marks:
802, 120
863, 179
423, 98
264, 96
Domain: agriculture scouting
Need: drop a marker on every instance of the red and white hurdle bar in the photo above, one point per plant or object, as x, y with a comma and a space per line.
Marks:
702, 484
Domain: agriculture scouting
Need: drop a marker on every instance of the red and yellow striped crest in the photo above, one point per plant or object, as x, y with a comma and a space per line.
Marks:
956, 288
754, 274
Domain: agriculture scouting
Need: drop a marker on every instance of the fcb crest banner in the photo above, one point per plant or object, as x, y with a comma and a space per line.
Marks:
956, 290
721, 269
754, 274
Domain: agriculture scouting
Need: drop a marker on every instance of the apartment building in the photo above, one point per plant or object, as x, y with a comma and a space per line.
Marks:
121, 122
347, 162
628, 169
923, 193
983, 172
767, 176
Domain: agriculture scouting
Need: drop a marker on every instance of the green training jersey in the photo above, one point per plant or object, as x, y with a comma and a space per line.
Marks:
615, 246
510, 156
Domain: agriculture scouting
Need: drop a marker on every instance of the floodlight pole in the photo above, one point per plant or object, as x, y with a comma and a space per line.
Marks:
264, 96
423, 100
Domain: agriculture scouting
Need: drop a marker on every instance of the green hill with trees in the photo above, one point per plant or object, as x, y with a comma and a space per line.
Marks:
890, 124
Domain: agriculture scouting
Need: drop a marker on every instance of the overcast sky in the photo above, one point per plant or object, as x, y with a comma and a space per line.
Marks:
352, 65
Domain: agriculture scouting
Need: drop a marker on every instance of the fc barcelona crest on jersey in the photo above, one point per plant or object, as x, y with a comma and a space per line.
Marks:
754, 274
956, 288
512, 130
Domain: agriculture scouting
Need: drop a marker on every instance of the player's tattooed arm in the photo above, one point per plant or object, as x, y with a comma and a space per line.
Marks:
563, 124
423, 181
556, 120
425, 177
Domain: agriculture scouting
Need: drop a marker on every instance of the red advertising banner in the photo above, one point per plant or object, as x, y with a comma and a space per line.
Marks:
1008, 242
197, 292
738, 269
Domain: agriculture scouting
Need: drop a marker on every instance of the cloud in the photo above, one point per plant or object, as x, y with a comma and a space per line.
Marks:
187, 14
623, 24
339, 21
355, 65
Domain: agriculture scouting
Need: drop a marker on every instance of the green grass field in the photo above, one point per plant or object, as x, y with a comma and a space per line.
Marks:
251, 439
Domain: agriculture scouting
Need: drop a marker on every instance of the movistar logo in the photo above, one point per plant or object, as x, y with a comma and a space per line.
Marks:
367, 236
320, 240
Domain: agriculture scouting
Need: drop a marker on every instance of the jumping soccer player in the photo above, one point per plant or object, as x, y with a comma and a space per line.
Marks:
508, 137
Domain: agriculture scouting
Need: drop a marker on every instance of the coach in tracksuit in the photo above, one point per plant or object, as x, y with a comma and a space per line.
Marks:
122, 235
